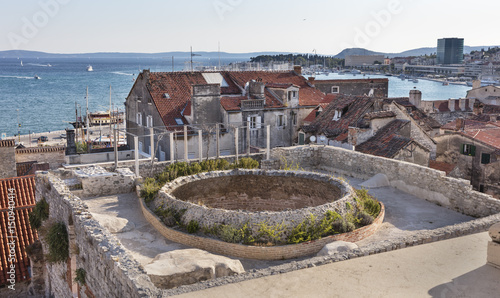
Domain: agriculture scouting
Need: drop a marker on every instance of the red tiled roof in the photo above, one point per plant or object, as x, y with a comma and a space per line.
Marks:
7, 143
352, 108
308, 96
178, 86
380, 114
441, 166
386, 142
232, 103
24, 190
486, 132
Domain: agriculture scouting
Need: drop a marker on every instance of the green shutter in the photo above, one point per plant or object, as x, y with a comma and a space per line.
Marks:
485, 158
472, 150
462, 148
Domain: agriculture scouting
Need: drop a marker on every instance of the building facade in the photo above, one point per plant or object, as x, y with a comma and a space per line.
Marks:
450, 51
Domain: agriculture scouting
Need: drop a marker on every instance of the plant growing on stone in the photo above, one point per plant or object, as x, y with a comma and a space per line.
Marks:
39, 214
367, 203
267, 234
192, 227
58, 243
246, 163
289, 167
149, 189
80, 276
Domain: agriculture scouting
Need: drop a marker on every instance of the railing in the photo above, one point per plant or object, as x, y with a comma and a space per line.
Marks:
252, 104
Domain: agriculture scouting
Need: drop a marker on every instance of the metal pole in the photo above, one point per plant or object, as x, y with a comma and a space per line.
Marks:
152, 143
185, 143
217, 135
115, 147
248, 138
18, 127
171, 147
236, 142
136, 155
200, 144
268, 143
87, 115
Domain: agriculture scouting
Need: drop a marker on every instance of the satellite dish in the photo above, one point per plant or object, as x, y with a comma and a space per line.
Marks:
313, 139
322, 138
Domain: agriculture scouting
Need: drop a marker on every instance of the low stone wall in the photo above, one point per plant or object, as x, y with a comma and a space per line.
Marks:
258, 252
209, 217
96, 181
110, 270
426, 183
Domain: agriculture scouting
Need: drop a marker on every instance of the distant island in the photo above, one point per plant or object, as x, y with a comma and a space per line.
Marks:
215, 55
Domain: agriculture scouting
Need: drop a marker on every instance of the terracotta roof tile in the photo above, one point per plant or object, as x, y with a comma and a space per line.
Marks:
24, 190
386, 142
442, 166
379, 115
352, 108
486, 132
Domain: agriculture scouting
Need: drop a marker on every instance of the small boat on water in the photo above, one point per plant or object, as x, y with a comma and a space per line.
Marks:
445, 83
37, 77
22, 63
89, 68
415, 81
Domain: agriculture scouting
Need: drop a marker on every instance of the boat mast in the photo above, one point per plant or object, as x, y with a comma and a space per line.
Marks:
87, 116
110, 113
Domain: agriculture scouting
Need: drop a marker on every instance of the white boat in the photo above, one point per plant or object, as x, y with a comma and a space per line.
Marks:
445, 83
89, 68
37, 77
22, 63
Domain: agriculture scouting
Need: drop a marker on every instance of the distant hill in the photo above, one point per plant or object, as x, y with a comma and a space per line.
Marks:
35, 54
409, 53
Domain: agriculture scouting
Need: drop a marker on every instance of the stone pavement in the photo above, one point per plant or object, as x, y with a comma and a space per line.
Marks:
450, 268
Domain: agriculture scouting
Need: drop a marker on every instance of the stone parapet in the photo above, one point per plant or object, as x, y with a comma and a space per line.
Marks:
494, 246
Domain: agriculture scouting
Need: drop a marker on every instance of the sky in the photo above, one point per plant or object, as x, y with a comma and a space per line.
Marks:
242, 26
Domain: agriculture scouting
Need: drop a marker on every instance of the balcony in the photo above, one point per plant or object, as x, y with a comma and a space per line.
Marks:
252, 104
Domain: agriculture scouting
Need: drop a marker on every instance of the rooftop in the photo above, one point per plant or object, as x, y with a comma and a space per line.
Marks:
386, 142
486, 132
23, 194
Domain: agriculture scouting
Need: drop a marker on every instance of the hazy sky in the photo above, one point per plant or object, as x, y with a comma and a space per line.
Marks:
327, 26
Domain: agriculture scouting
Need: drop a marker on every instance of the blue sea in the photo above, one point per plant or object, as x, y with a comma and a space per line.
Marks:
48, 103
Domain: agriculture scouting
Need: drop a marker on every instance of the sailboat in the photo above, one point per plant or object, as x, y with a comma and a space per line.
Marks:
89, 68
22, 63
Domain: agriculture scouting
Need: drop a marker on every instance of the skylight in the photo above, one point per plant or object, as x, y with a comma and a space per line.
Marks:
179, 121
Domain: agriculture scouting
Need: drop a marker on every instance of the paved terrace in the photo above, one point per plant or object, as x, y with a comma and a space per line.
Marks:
405, 215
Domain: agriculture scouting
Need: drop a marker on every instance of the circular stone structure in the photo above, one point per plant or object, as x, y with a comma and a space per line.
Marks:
252, 197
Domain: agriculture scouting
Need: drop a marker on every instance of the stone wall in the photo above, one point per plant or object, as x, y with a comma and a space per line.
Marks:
355, 86
423, 182
258, 252
8, 162
211, 216
54, 156
96, 181
110, 270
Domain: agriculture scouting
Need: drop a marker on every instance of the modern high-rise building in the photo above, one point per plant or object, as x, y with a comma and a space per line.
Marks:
450, 51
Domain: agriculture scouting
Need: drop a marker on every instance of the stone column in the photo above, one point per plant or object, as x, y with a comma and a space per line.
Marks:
494, 246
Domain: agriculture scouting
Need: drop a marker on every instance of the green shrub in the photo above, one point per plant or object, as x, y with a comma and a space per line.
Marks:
368, 203
193, 227
230, 234
170, 216
149, 189
39, 214
364, 218
246, 163
267, 234
222, 164
58, 242
80, 276
195, 168
209, 165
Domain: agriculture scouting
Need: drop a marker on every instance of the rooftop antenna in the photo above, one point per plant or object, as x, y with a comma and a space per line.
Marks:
219, 55
192, 58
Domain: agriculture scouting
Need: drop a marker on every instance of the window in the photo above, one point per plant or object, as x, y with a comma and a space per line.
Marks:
485, 158
138, 119
280, 120
335, 89
149, 121
337, 115
255, 122
293, 95
294, 118
179, 121
468, 149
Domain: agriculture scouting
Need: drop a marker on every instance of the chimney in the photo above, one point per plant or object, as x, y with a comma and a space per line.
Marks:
415, 97
460, 124
70, 142
476, 84
493, 118
478, 108
256, 89
311, 80
297, 69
